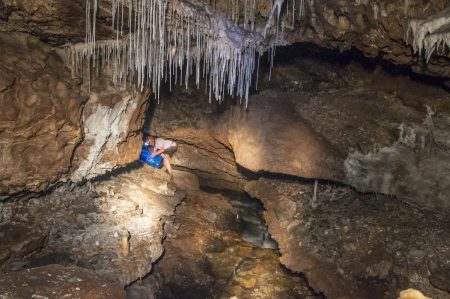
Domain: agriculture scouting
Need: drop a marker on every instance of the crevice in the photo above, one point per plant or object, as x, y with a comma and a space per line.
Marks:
288, 54
9, 85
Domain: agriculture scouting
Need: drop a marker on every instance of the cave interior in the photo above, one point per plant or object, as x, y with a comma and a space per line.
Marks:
312, 149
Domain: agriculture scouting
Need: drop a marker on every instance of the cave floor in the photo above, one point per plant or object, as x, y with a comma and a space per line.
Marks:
374, 244
371, 241
76, 233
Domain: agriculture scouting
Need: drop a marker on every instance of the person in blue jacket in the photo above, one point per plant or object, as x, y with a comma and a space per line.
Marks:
163, 147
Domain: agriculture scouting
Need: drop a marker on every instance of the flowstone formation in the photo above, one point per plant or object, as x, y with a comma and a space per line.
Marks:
51, 127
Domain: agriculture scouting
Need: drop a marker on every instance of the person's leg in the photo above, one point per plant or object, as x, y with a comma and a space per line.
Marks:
166, 162
170, 151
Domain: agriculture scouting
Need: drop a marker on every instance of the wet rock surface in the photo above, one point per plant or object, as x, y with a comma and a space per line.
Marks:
206, 258
113, 227
352, 245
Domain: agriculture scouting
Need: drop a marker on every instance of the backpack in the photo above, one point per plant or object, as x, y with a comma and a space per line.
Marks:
146, 156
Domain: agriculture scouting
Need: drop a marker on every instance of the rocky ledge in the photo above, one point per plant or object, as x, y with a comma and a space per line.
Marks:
205, 256
112, 227
353, 245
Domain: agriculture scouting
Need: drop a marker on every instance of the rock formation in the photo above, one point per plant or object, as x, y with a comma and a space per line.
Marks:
377, 28
53, 126
72, 120
86, 226
56, 281
351, 245
348, 244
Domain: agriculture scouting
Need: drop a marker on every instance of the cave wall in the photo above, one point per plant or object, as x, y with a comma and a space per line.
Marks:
376, 28
200, 130
52, 127
366, 128
270, 136
75, 145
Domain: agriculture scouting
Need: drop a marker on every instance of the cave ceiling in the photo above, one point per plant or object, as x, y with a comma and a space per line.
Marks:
376, 28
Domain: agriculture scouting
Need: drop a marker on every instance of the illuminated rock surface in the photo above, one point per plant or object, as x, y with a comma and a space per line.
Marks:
87, 228
51, 128
313, 119
205, 256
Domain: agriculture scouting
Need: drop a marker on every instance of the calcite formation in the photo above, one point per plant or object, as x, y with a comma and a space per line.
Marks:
51, 127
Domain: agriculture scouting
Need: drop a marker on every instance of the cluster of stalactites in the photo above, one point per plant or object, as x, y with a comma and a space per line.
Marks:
431, 34
172, 40
244, 11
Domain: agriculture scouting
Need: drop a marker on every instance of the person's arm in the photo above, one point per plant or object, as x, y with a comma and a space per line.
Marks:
157, 152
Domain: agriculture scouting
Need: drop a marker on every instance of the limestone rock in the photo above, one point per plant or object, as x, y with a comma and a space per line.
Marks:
413, 168
393, 141
412, 294
205, 257
351, 245
199, 127
271, 136
185, 248
377, 28
39, 121
56, 281
53, 21
51, 129
185, 180
86, 226
19, 241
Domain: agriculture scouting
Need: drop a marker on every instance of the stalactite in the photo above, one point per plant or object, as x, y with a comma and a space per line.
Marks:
430, 35
276, 8
172, 40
